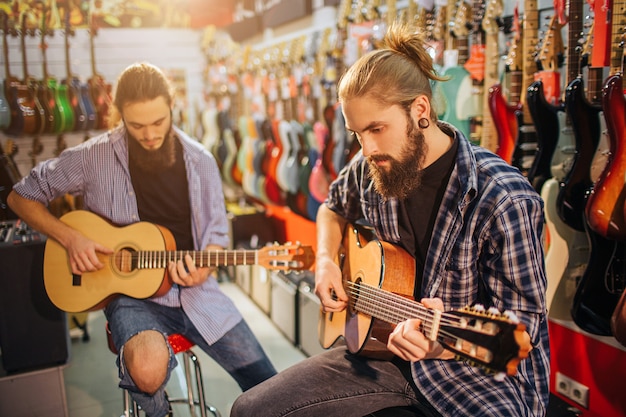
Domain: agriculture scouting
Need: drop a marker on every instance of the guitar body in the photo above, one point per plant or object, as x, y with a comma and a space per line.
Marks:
97, 288
5, 109
91, 117
601, 285
505, 122
282, 167
362, 260
605, 208
460, 103
272, 188
47, 101
65, 113
547, 134
566, 256
574, 189
77, 106
24, 116
101, 99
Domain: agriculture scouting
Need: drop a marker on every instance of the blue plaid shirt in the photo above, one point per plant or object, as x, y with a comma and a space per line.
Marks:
98, 170
486, 248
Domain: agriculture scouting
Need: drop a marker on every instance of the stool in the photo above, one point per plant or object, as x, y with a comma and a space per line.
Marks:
195, 398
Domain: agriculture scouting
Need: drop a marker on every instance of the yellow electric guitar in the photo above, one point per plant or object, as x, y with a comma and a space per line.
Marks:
379, 279
137, 267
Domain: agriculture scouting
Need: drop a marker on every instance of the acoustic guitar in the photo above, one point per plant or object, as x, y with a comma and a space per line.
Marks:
137, 267
379, 279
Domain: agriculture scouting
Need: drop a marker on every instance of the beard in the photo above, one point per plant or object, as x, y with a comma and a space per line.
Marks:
153, 160
402, 176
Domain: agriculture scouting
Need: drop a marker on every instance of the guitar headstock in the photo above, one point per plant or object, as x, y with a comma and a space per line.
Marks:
287, 257
551, 50
493, 11
488, 339
460, 23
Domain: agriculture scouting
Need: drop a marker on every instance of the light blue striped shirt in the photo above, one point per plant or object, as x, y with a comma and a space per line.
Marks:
98, 170
487, 248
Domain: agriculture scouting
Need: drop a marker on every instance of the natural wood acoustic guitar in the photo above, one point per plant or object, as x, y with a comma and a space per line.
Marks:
137, 267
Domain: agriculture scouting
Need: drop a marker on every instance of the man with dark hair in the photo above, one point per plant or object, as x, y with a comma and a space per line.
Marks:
146, 169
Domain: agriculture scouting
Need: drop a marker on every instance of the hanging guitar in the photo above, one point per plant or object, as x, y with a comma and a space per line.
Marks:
526, 138
457, 89
99, 89
5, 108
378, 278
585, 113
24, 116
137, 267
491, 27
41, 123
80, 110
597, 294
504, 115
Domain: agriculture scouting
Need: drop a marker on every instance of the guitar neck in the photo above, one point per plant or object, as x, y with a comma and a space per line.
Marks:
530, 39
575, 29
617, 29
594, 84
212, 258
392, 308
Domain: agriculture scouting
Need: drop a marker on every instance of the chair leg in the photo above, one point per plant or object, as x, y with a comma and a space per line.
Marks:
130, 406
195, 397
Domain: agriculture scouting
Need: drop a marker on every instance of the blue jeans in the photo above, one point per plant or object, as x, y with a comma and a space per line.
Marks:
238, 351
334, 383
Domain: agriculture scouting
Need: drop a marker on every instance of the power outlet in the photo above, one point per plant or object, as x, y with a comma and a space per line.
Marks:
572, 389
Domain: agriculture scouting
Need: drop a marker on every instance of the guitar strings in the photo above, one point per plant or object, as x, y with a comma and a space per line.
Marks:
393, 308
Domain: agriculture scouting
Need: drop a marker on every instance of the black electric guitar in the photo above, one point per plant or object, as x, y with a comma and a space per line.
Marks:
379, 279
585, 114
526, 137
137, 267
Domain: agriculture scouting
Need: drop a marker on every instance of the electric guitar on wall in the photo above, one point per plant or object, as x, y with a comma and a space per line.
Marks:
526, 139
597, 294
585, 113
504, 115
137, 267
493, 11
545, 114
375, 276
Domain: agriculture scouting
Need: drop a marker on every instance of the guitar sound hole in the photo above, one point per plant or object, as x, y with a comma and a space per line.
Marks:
123, 260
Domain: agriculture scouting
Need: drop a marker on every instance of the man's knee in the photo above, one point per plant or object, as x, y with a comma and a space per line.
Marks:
146, 357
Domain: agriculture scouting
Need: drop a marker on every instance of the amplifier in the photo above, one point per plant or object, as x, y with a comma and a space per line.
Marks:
17, 232
33, 332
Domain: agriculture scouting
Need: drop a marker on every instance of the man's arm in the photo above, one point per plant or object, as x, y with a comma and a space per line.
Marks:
81, 251
328, 280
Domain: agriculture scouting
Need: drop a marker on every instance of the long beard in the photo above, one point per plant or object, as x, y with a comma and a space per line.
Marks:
403, 176
152, 160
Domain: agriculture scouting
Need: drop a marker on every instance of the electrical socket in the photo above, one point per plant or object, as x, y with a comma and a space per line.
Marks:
572, 389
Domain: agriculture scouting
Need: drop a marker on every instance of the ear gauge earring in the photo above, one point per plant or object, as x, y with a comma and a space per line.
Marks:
423, 123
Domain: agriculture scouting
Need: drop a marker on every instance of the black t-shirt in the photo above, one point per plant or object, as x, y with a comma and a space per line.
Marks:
418, 211
163, 198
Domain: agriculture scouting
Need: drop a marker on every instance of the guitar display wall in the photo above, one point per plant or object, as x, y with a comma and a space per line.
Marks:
226, 112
